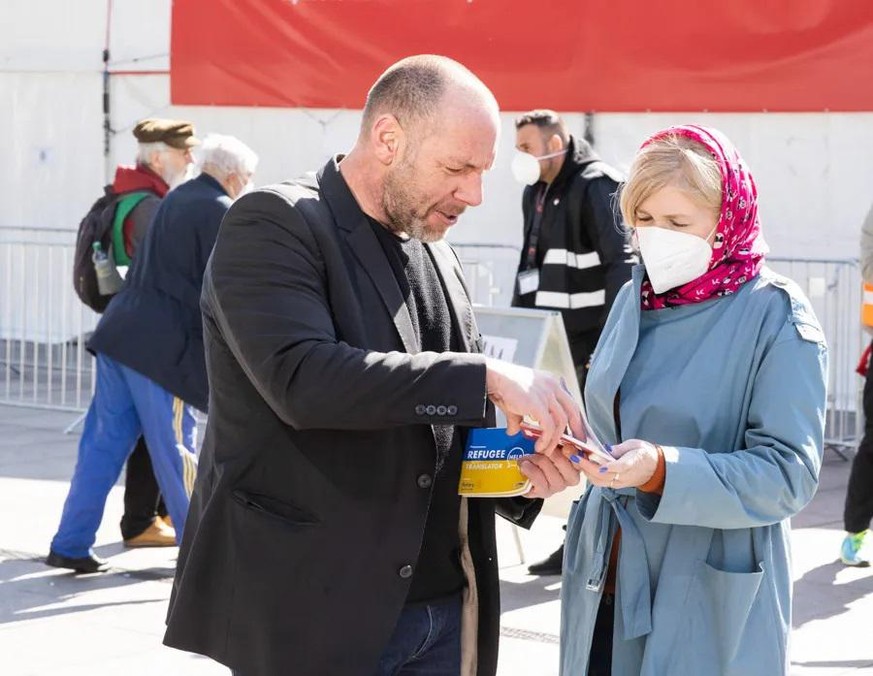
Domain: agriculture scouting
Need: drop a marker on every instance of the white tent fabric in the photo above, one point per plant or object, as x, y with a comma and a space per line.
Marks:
814, 170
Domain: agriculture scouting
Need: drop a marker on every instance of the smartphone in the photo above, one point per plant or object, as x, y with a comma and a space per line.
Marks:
534, 431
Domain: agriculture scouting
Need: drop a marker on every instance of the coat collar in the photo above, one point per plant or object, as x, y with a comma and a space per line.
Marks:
365, 246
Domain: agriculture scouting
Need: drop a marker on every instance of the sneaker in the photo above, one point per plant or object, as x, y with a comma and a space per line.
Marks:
851, 553
158, 534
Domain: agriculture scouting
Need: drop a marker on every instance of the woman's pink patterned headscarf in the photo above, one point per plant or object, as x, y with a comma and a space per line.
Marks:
739, 247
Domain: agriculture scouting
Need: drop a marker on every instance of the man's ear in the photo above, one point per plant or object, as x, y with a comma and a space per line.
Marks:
386, 136
554, 144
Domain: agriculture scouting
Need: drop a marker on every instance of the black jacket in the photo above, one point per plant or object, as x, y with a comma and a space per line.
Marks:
581, 252
312, 488
153, 324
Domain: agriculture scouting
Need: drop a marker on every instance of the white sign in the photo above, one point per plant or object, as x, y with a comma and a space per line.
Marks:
499, 347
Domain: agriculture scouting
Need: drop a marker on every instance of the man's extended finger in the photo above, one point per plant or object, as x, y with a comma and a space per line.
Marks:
568, 471
513, 423
544, 418
549, 470
537, 479
559, 418
574, 414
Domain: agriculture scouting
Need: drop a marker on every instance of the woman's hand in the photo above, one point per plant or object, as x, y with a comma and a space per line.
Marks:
635, 463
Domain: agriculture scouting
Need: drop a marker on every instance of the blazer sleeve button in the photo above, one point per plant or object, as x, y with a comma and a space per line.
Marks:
405, 572
452, 410
420, 409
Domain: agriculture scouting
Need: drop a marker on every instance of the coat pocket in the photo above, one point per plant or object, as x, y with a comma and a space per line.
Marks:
274, 508
718, 607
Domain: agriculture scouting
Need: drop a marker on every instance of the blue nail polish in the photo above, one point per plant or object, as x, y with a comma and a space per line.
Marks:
608, 447
575, 458
602, 470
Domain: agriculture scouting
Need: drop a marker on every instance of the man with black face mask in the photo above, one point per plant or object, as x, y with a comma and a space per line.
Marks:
575, 256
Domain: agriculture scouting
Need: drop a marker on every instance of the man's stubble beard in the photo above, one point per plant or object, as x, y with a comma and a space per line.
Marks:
399, 205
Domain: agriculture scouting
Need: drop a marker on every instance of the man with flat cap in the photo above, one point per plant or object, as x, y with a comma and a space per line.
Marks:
163, 158
162, 161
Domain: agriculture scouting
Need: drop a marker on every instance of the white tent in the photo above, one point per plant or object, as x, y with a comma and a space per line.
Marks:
814, 170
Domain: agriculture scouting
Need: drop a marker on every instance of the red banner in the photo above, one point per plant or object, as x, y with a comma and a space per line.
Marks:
570, 55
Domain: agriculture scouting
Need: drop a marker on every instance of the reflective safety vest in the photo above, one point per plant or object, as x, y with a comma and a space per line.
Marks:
867, 305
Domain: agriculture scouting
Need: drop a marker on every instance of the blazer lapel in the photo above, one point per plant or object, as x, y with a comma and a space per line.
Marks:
367, 249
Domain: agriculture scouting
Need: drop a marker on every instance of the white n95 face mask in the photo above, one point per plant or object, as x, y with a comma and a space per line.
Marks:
526, 167
672, 258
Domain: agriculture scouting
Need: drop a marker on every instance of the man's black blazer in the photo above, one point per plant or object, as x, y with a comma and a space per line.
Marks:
310, 503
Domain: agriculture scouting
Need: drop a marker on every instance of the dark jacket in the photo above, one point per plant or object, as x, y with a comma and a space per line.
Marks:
581, 252
313, 483
153, 325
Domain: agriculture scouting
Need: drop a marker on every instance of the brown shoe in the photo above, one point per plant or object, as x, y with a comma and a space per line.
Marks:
158, 534
166, 519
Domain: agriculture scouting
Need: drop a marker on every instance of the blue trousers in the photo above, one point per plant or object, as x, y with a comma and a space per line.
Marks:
426, 641
125, 405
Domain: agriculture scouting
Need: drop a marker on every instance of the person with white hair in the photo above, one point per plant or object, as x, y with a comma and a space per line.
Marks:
229, 161
151, 368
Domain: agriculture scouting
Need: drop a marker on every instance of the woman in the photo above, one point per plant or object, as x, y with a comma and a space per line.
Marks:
711, 373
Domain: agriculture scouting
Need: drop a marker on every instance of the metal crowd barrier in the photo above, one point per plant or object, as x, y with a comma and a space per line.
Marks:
43, 325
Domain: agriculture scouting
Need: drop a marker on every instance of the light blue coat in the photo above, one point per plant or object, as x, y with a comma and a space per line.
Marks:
734, 391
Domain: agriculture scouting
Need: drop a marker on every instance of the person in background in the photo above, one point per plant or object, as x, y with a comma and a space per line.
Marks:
708, 383
575, 256
858, 508
151, 369
163, 159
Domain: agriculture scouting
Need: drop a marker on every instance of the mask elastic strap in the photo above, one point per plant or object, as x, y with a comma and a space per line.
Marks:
550, 155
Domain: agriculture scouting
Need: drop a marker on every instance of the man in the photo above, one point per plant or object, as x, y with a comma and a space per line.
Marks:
575, 256
151, 367
858, 507
162, 160
326, 534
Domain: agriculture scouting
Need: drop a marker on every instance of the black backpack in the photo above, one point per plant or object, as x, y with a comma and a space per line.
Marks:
103, 223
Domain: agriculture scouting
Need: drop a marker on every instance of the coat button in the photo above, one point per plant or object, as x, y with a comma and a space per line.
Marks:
431, 409
425, 481
442, 410
420, 409
405, 572
452, 410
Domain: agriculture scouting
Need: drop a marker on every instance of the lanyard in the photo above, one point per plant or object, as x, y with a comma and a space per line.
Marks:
535, 227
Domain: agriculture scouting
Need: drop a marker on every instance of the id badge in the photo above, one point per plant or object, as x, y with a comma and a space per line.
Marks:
528, 281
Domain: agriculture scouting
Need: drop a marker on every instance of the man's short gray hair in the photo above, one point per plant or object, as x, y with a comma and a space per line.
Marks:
221, 155
412, 88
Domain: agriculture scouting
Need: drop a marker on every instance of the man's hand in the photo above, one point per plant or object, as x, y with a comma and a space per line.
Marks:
548, 473
519, 391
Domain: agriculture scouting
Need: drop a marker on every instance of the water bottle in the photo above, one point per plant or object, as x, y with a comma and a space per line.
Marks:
108, 280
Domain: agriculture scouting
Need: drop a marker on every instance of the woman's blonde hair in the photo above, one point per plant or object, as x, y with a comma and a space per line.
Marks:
673, 160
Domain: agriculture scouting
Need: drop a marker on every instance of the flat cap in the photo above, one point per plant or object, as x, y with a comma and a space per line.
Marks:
175, 133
